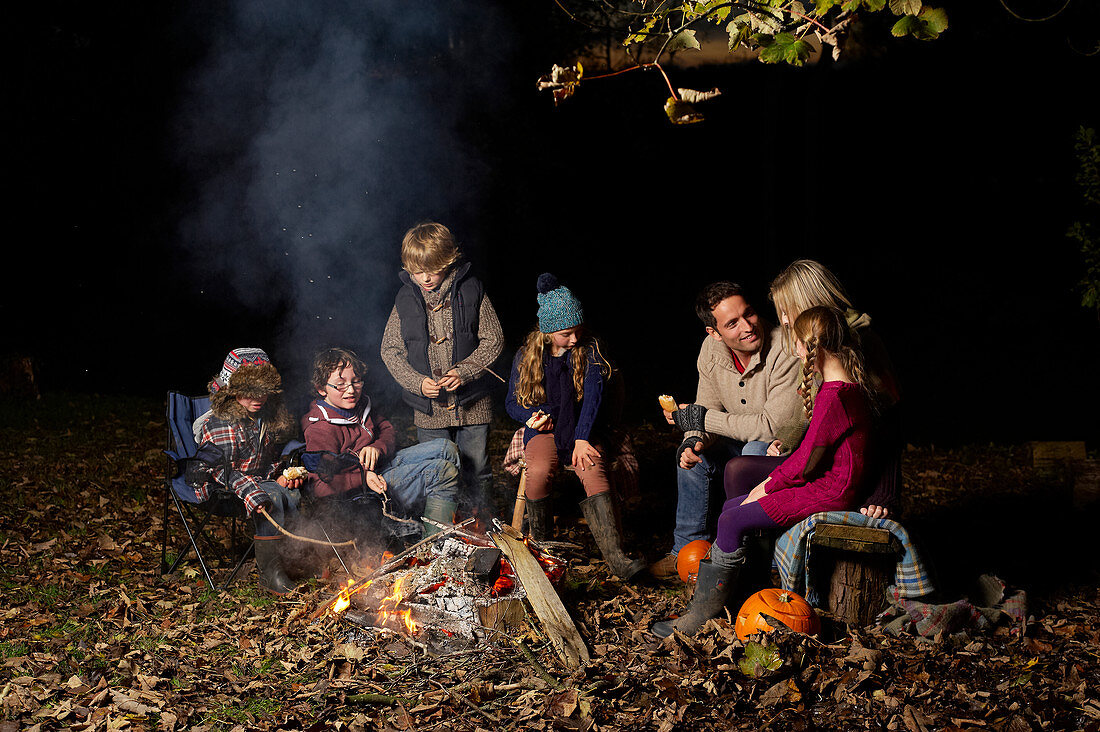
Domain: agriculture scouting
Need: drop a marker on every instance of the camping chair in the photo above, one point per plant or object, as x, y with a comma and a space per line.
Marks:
195, 515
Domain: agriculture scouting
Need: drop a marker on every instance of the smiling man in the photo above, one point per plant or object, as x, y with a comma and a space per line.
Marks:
747, 396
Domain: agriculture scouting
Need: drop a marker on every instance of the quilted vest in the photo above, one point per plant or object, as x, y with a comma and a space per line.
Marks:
465, 304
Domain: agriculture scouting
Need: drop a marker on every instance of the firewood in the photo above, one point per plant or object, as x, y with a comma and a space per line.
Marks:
544, 600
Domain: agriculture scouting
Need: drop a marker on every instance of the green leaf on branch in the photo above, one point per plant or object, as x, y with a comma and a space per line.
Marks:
643, 34
684, 40
823, 6
785, 48
852, 6
905, 7
716, 10
738, 32
926, 26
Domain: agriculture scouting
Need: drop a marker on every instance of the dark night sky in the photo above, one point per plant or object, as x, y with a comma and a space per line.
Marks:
189, 180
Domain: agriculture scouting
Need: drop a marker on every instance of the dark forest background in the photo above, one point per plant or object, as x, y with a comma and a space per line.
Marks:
186, 179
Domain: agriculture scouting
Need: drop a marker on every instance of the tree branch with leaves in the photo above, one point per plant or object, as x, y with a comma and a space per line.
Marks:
779, 31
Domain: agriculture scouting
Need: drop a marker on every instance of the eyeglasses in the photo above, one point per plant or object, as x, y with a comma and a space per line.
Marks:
354, 385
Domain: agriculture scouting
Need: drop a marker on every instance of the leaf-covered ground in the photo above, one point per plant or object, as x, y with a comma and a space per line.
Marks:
91, 637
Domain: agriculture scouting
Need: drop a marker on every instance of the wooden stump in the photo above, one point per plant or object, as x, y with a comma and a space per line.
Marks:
858, 564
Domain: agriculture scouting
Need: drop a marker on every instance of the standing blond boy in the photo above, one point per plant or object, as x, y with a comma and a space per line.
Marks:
441, 336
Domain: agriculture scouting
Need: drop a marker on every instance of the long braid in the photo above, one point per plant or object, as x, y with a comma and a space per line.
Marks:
825, 330
806, 390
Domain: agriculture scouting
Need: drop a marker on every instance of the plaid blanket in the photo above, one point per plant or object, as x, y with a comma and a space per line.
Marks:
792, 555
993, 603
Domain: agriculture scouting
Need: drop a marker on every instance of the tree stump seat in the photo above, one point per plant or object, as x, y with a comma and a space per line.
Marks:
857, 564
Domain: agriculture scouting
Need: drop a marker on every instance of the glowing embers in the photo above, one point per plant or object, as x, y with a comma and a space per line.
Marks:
447, 594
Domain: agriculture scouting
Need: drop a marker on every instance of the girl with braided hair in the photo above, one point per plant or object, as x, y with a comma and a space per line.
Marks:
806, 283
825, 473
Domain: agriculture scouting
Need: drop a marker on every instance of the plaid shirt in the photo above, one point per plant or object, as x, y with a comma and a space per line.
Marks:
243, 448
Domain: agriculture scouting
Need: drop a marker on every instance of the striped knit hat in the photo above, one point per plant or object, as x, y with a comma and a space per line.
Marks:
558, 307
238, 357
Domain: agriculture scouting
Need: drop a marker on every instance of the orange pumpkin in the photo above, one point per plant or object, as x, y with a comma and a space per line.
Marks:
688, 558
785, 606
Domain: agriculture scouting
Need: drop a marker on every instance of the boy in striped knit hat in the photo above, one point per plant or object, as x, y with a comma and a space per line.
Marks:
240, 441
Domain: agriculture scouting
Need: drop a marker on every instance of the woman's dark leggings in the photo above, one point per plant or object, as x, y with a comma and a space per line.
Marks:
742, 474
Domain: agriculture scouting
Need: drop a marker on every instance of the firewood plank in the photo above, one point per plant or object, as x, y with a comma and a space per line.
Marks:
545, 602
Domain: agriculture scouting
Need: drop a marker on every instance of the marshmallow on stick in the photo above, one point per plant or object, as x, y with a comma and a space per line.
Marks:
667, 403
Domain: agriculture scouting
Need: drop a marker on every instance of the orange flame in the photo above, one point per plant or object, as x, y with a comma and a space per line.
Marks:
405, 616
343, 600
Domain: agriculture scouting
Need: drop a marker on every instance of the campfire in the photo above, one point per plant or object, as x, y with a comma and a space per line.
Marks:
451, 590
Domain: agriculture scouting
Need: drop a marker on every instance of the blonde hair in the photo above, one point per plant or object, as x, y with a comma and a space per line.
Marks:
428, 247
825, 329
803, 285
531, 384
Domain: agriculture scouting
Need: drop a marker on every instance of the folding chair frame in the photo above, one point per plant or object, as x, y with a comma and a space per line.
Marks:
194, 517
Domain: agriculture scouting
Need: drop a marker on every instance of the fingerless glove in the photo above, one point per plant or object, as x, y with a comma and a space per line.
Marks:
690, 418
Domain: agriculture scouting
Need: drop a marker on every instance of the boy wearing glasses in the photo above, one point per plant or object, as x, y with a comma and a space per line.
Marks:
358, 448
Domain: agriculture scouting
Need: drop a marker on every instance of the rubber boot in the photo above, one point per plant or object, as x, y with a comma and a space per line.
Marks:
269, 563
716, 581
438, 509
539, 518
599, 512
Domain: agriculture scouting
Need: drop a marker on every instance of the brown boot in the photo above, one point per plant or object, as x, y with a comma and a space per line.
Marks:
665, 568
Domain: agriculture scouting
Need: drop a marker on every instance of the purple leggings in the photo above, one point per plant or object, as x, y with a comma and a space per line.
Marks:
741, 476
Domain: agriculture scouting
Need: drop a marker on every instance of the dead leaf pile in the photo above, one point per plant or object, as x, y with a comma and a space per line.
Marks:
92, 638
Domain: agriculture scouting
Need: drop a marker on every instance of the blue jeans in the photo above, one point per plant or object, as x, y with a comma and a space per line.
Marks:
695, 494
419, 472
473, 448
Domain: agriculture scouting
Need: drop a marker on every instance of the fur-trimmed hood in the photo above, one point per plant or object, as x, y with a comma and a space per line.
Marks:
252, 381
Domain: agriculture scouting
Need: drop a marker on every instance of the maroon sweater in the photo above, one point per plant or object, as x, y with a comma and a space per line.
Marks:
826, 472
336, 430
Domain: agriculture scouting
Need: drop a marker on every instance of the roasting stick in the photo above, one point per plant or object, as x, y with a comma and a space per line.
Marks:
307, 539
338, 557
484, 368
387, 567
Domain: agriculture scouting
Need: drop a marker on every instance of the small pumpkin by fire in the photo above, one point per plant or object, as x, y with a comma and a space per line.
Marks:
688, 558
785, 606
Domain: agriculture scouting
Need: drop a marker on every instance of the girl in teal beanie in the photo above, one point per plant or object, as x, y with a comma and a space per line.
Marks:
555, 389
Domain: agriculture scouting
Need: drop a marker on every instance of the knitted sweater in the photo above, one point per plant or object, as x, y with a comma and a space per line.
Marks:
445, 412
826, 472
753, 405
573, 420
